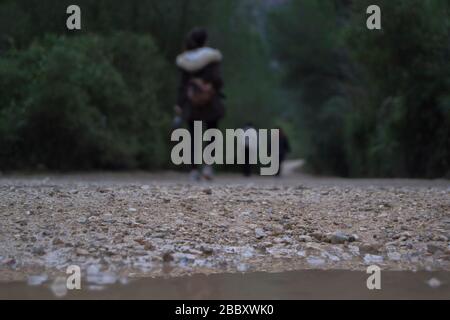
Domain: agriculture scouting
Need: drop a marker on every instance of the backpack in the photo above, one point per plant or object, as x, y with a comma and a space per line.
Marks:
200, 93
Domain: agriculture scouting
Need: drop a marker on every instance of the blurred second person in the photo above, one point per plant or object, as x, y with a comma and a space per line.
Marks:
200, 96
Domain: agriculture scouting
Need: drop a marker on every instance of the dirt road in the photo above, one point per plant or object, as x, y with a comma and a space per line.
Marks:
117, 226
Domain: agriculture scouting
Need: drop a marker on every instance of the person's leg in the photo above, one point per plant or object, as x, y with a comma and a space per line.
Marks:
208, 171
195, 174
191, 131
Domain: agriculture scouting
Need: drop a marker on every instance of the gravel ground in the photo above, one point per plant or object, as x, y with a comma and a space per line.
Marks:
116, 226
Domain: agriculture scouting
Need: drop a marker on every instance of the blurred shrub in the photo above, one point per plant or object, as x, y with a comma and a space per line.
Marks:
84, 102
111, 94
406, 77
370, 103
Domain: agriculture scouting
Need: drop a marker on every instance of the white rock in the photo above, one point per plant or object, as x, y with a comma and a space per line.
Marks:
354, 250
102, 278
434, 283
394, 256
304, 239
242, 267
315, 261
301, 253
37, 280
260, 233
370, 259
59, 287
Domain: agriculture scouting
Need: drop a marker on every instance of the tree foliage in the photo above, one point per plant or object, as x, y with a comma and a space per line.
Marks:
369, 102
74, 104
354, 102
103, 97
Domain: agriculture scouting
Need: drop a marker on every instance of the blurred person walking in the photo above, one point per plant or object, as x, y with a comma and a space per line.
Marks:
200, 96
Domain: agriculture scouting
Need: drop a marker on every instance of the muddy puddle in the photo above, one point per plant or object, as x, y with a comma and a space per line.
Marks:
286, 285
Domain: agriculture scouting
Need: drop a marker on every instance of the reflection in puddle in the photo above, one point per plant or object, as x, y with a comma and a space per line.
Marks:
310, 284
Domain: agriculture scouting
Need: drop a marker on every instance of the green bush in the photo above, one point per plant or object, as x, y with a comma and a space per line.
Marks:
370, 103
406, 72
82, 103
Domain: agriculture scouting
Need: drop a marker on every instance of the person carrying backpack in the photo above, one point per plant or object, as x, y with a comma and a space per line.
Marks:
200, 96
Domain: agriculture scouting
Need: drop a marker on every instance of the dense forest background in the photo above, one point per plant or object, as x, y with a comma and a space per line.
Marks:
354, 102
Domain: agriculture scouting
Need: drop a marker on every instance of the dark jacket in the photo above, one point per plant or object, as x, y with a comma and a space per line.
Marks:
203, 63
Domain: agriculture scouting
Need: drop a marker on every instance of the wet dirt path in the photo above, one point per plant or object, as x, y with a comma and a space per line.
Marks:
134, 225
255, 286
